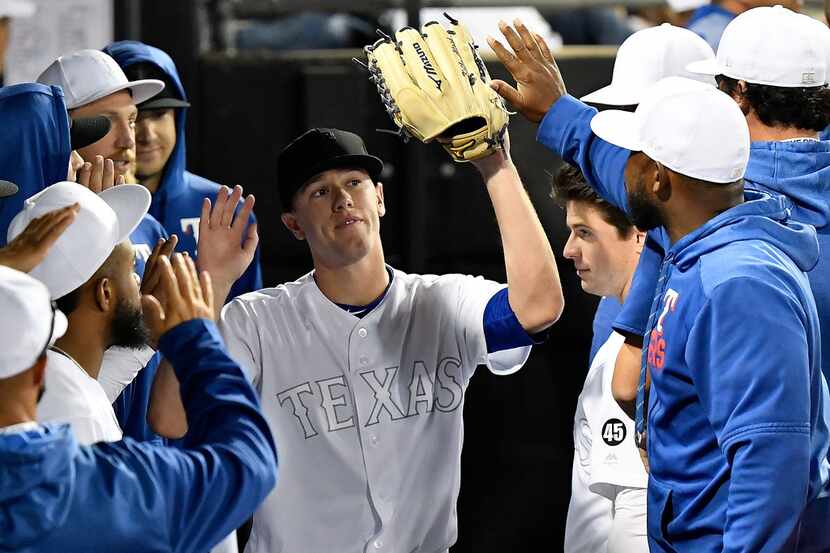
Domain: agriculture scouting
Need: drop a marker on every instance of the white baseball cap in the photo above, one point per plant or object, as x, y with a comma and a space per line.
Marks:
691, 128
17, 8
29, 323
648, 56
769, 46
89, 75
823, 32
103, 221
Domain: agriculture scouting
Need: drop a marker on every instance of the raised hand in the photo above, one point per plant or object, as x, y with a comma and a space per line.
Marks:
539, 83
29, 249
186, 295
99, 175
226, 243
151, 281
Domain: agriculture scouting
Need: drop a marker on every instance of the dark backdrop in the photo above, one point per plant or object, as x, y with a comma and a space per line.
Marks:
516, 464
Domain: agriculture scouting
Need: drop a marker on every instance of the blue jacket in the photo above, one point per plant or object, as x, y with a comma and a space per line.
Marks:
607, 310
566, 130
738, 422
34, 144
177, 203
136, 497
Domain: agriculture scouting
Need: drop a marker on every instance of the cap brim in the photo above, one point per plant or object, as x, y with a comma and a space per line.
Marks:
618, 128
709, 67
59, 326
130, 203
7, 189
163, 103
613, 96
88, 130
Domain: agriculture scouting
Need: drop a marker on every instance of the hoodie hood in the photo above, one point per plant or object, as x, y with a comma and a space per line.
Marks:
762, 217
34, 144
127, 53
800, 170
37, 472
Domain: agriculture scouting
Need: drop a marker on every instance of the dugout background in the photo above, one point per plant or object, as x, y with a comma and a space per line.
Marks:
516, 463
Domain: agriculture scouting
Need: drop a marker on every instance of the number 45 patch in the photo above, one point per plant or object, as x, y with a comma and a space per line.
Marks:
613, 432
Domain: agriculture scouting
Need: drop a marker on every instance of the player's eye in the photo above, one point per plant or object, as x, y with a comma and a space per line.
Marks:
355, 183
584, 233
319, 192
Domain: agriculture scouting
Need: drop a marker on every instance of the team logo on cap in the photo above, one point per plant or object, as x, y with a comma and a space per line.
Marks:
808, 78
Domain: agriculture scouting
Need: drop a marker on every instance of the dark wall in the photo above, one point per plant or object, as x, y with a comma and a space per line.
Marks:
518, 448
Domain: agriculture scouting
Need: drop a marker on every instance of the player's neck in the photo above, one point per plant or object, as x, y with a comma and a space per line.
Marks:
759, 132
358, 283
84, 347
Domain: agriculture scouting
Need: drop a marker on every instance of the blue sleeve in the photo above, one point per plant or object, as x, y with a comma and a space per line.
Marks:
502, 330
566, 129
633, 318
751, 368
132, 405
229, 464
606, 313
251, 279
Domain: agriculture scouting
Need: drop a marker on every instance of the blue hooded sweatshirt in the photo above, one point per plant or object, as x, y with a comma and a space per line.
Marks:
125, 496
566, 130
738, 422
34, 144
177, 203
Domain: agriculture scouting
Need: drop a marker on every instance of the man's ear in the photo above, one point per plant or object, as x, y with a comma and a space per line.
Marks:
740, 98
661, 183
104, 294
291, 223
381, 201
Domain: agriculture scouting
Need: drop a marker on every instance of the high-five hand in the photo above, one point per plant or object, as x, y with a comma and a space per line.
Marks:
186, 294
99, 175
151, 281
539, 83
29, 249
227, 243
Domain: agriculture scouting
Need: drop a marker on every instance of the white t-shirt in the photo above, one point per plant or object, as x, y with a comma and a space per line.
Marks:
73, 396
608, 477
366, 413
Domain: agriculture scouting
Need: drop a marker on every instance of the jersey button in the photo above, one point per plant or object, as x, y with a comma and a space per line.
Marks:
364, 360
362, 332
378, 544
373, 439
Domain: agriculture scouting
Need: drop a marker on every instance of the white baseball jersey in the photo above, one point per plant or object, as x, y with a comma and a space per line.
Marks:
366, 413
608, 485
75, 397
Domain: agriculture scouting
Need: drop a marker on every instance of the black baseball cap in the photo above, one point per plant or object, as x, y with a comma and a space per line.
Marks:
7, 189
319, 150
84, 131
168, 97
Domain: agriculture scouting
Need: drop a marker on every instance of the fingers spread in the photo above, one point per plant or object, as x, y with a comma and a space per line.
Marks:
219, 208
510, 61
230, 207
528, 40
244, 214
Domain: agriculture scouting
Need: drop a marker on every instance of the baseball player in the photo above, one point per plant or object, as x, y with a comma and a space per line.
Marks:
125, 496
612, 163
608, 485
94, 85
362, 368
